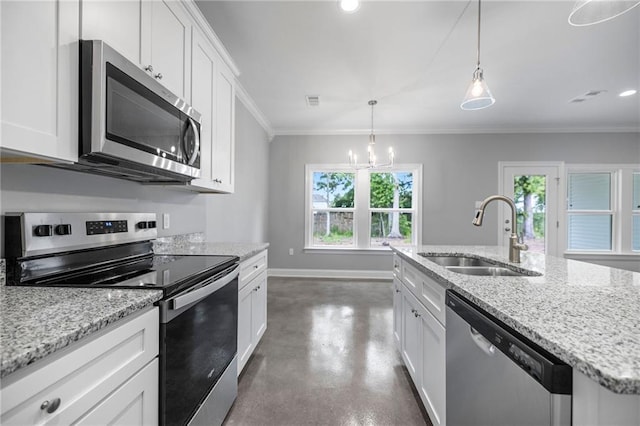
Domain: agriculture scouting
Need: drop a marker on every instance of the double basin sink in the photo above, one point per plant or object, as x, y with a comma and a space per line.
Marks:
475, 266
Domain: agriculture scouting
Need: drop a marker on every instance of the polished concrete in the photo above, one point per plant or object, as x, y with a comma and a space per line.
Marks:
327, 358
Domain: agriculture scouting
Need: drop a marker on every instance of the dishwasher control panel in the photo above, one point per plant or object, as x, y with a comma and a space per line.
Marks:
526, 361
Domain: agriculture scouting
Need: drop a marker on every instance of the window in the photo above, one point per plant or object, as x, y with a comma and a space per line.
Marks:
603, 209
361, 209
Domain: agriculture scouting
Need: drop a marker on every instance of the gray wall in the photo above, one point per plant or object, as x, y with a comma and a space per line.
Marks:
37, 188
242, 216
458, 170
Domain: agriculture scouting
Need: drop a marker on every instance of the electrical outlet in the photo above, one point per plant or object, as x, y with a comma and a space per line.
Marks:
290, 252
165, 221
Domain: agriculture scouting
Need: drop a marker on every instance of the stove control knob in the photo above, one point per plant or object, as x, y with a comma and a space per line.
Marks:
151, 224
64, 229
43, 230
142, 225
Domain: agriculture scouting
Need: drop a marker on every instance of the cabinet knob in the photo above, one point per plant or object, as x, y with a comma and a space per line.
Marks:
149, 68
50, 406
158, 76
255, 266
397, 291
416, 314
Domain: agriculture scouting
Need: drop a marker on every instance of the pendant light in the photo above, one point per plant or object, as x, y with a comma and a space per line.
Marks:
589, 12
478, 95
371, 154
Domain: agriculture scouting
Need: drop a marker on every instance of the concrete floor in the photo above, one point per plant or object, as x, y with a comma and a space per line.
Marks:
327, 358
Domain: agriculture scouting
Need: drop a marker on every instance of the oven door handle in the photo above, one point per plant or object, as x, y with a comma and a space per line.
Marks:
202, 292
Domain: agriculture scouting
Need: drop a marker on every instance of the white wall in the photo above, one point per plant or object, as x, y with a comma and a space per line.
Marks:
238, 217
458, 170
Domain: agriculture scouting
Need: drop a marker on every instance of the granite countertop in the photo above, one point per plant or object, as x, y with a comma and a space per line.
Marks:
35, 322
243, 250
587, 315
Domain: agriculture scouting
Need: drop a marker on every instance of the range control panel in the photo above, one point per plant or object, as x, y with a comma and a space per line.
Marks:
106, 226
32, 234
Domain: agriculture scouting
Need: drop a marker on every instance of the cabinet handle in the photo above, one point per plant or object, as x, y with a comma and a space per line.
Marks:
149, 68
158, 76
413, 311
397, 291
255, 266
217, 181
416, 314
50, 406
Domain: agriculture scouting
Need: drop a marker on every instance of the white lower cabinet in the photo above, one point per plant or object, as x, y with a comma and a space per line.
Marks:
252, 306
397, 312
422, 341
110, 377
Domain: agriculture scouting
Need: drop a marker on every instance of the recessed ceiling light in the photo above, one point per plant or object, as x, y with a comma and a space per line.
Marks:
628, 93
349, 6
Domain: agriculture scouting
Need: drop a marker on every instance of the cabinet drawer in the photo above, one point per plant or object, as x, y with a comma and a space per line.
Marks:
428, 291
82, 374
252, 267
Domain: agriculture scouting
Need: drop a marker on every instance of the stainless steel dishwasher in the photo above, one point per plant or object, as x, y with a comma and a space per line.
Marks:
497, 377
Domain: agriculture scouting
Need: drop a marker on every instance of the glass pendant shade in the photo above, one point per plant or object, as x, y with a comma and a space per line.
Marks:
478, 95
589, 12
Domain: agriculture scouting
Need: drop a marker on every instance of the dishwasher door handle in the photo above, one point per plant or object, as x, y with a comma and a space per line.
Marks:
481, 342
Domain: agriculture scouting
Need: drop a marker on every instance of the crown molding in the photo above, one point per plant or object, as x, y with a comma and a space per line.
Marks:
502, 130
250, 104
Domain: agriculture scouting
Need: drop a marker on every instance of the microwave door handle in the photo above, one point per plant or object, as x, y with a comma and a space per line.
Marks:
202, 292
196, 150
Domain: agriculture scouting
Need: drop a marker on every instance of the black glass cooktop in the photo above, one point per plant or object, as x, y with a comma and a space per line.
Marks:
161, 272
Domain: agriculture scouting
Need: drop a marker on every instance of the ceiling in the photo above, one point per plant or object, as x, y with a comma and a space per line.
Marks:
416, 58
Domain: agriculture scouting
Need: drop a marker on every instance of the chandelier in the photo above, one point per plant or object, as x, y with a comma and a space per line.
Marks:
372, 160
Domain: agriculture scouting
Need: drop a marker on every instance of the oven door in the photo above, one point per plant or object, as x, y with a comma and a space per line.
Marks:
198, 345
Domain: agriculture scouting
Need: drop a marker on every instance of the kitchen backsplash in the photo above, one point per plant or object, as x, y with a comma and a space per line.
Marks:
3, 268
178, 241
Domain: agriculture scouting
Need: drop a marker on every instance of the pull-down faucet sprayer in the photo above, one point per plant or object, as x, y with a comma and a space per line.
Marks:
514, 245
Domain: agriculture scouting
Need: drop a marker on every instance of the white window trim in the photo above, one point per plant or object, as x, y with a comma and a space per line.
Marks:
621, 209
362, 217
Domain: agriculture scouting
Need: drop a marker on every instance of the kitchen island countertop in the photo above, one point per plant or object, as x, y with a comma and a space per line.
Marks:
585, 314
36, 322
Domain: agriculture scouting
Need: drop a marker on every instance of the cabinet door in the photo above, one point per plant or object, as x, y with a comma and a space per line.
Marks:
169, 48
397, 312
259, 306
411, 335
134, 403
117, 23
203, 99
40, 79
433, 375
245, 343
223, 155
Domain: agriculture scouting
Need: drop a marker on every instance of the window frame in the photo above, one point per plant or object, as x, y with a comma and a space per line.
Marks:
362, 209
620, 208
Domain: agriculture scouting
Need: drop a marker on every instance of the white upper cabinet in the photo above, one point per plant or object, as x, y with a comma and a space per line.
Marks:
153, 34
213, 96
39, 80
224, 142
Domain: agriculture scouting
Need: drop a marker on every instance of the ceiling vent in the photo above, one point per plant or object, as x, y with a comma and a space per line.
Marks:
313, 100
577, 100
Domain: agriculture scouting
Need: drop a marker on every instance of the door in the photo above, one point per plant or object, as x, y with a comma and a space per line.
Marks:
397, 312
259, 307
535, 189
411, 335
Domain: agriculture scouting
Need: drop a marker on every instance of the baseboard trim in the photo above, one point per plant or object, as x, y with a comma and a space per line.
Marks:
330, 273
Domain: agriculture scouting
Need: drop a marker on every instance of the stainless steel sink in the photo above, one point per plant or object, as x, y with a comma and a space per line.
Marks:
487, 271
448, 260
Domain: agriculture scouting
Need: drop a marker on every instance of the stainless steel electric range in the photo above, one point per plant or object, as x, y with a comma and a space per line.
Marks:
198, 311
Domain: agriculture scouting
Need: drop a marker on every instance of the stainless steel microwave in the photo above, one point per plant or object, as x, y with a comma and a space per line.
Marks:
131, 126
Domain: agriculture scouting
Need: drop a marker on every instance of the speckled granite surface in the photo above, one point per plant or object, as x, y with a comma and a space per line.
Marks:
3, 271
194, 244
35, 322
585, 314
